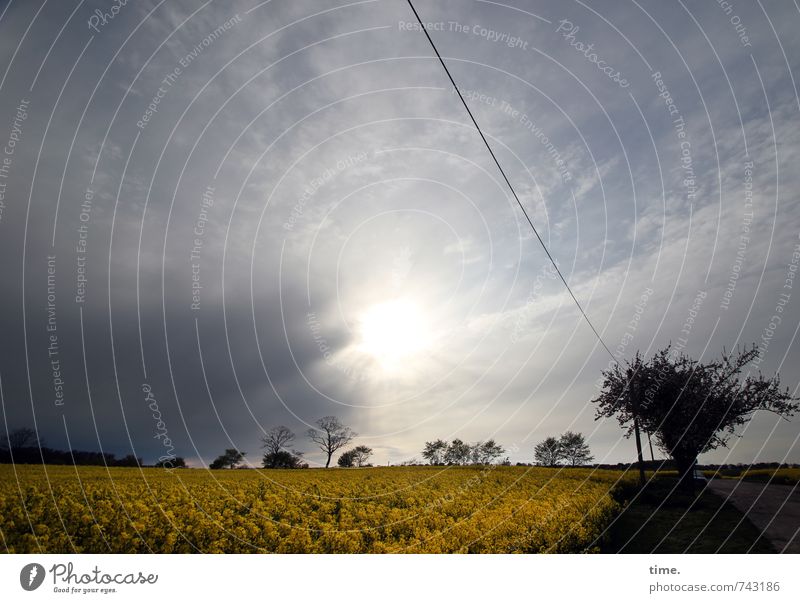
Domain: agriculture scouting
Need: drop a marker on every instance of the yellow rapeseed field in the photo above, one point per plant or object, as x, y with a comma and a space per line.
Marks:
374, 510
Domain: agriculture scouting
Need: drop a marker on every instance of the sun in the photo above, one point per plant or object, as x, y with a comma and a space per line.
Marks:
393, 332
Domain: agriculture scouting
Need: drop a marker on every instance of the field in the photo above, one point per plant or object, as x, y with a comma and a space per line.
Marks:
374, 510
788, 477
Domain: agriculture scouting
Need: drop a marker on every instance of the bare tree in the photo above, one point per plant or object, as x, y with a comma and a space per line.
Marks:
277, 455
22, 437
330, 435
277, 439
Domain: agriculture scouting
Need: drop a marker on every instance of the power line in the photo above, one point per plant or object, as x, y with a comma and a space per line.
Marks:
508, 182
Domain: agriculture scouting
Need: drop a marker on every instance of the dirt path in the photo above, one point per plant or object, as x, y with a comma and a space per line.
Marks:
774, 509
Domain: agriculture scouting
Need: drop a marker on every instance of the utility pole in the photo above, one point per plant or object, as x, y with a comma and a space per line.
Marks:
634, 402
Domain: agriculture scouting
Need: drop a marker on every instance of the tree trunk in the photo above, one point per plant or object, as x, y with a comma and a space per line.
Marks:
685, 473
327, 464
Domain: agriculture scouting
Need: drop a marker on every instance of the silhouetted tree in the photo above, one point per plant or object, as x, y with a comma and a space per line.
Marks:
277, 439
457, 453
330, 435
690, 407
22, 437
484, 453
277, 456
548, 452
434, 452
574, 449
129, 460
230, 459
175, 462
283, 459
361, 455
346, 459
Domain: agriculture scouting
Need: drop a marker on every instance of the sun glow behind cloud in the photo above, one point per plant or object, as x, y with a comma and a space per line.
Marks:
394, 333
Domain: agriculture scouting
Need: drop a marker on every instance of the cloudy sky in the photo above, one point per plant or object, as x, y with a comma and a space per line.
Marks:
234, 215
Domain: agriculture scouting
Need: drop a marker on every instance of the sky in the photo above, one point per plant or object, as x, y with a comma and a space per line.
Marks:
220, 217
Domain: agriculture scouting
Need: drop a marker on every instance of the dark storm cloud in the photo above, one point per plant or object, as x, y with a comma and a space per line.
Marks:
256, 177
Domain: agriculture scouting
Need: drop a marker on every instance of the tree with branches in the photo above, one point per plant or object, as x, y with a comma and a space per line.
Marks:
458, 453
330, 435
574, 449
361, 455
690, 407
357, 457
21, 437
548, 452
485, 453
230, 459
277, 455
434, 452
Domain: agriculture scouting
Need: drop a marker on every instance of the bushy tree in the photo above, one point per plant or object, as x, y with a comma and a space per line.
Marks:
361, 455
175, 462
346, 459
129, 460
330, 435
690, 407
230, 459
457, 453
548, 452
434, 452
357, 457
574, 449
283, 459
485, 453
276, 453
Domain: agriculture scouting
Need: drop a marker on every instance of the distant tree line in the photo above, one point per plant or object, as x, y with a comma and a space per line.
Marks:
458, 452
23, 446
329, 435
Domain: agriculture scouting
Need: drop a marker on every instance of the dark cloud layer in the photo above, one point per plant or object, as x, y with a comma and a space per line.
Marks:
239, 184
